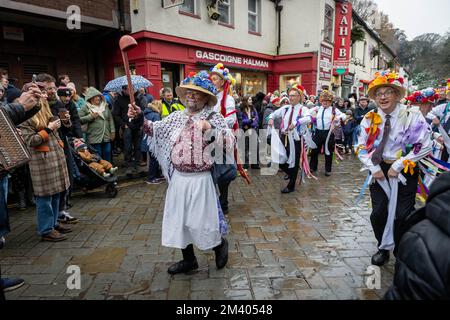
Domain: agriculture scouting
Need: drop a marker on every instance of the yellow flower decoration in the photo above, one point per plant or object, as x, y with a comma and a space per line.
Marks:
409, 166
375, 121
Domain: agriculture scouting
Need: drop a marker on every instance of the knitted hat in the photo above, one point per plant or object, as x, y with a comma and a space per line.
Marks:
386, 79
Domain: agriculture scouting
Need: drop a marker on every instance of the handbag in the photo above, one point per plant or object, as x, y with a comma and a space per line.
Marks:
223, 173
13, 151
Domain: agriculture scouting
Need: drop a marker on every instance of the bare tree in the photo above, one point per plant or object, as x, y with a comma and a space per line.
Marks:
364, 8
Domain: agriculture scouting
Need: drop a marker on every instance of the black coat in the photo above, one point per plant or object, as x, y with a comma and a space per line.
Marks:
359, 113
422, 269
120, 111
75, 129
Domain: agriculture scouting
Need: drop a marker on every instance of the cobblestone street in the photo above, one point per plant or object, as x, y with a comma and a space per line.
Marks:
310, 244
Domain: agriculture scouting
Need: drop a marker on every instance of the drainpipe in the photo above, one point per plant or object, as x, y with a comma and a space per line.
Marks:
121, 9
278, 9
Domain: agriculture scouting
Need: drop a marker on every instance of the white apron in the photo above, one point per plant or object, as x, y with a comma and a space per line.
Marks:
190, 212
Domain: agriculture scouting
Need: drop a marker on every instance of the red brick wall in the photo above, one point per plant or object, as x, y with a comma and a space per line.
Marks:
102, 9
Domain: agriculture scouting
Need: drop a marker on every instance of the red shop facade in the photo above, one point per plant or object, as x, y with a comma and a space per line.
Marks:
165, 60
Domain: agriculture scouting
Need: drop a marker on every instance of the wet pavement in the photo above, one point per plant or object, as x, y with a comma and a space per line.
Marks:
310, 244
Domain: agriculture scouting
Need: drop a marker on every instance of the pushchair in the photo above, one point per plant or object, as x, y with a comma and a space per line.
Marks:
87, 178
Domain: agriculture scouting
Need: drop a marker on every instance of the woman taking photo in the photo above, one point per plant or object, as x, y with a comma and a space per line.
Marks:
48, 169
96, 116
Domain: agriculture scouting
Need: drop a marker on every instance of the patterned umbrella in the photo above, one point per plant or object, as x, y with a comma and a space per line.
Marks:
117, 84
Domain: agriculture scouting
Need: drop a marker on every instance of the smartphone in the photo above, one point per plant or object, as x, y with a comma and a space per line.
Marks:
33, 79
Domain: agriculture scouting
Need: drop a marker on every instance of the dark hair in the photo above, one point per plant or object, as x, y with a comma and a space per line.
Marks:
245, 105
60, 78
45, 77
3, 72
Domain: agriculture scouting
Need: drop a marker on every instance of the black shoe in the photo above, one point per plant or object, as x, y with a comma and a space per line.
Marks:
225, 211
380, 258
286, 177
328, 173
183, 266
287, 190
222, 254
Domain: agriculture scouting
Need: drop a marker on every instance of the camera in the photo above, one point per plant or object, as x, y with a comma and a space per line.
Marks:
213, 12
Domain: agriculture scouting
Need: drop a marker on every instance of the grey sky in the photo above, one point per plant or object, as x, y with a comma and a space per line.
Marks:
418, 16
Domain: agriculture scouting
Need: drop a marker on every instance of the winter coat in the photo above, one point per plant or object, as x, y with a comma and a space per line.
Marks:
120, 111
359, 113
100, 129
48, 167
151, 115
422, 268
252, 122
17, 115
349, 126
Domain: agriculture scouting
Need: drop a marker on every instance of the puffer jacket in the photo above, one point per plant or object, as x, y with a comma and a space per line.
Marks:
422, 269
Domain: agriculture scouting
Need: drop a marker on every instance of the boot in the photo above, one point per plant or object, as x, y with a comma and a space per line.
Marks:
221, 254
22, 201
188, 263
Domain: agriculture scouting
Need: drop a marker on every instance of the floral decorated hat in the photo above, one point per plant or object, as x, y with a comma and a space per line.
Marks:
223, 72
326, 95
199, 82
428, 95
386, 79
299, 88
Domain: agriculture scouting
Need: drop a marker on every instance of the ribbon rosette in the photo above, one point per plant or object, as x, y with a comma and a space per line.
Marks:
409, 166
373, 130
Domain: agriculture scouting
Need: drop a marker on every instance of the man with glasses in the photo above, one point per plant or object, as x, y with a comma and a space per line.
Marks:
392, 140
294, 116
326, 118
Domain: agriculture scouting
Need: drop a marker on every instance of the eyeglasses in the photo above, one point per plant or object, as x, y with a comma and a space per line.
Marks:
294, 95
386, 94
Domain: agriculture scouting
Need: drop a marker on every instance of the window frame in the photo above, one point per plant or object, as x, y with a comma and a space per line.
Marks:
230, 15
328, 32
196, 13
256, 14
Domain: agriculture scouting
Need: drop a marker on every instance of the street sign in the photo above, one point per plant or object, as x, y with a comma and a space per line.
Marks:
171, 3
340, 70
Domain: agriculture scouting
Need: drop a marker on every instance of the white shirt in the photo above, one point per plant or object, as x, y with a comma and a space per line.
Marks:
230, 107
324, 116
401, 120
298, 118
439, 111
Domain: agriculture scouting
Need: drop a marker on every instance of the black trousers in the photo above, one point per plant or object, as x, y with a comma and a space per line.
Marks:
188, 252
223, 198
405, 202
292, 172
319, 138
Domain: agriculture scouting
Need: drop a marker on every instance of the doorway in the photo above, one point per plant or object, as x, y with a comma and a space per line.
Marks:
170, 73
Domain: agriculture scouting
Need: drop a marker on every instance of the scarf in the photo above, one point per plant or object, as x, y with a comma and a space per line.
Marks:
98, 109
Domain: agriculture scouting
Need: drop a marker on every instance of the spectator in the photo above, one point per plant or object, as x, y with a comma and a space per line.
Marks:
132, 128
422, 259
98, 118
152, 113
273, 106
49, 173
79, 101
66, 110
349, 128
26, 107
147, 95
169, 104
63, 80
2, 94
249, 123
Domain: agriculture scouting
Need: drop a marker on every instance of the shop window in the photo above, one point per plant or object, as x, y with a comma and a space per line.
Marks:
328, 26
190, 7
226, 9
288, 80
120, 70
254, 14
254, 83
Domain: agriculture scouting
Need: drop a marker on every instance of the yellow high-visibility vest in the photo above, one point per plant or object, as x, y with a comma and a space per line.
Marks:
174, 107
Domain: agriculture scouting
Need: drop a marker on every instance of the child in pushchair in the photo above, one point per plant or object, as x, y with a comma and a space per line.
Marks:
93, 170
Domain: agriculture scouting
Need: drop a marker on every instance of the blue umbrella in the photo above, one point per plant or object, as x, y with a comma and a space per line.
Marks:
137, 81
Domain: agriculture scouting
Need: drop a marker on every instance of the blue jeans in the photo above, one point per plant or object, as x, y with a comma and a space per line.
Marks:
4, 217
103, 150
47, 213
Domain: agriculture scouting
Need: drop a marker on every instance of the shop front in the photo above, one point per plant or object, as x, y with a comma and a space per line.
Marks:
165, 60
